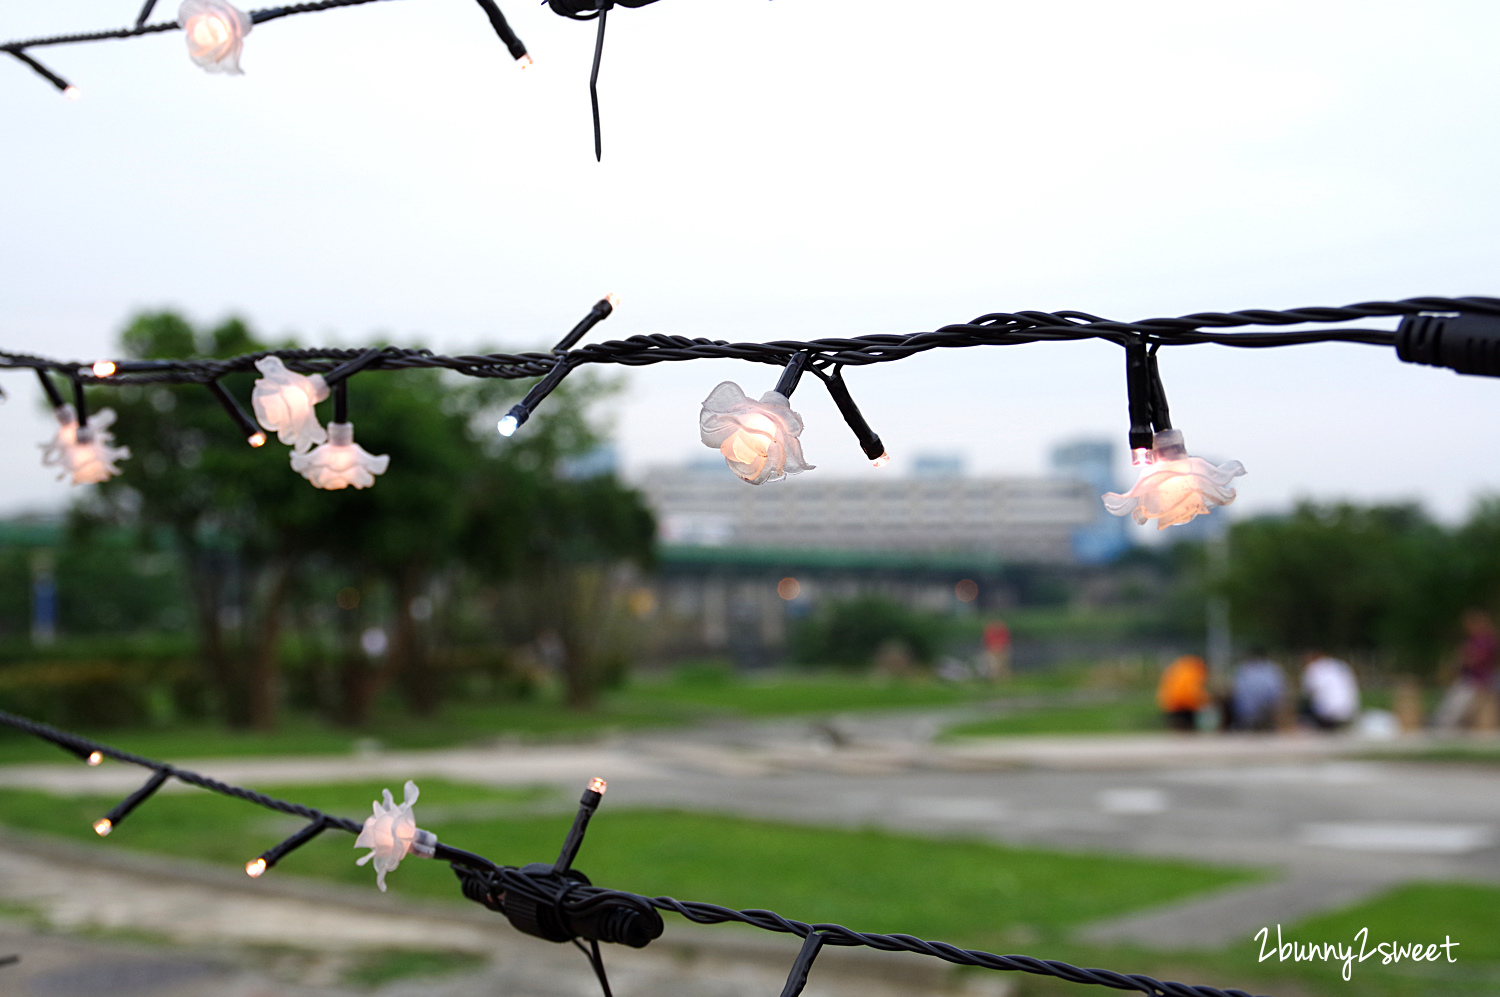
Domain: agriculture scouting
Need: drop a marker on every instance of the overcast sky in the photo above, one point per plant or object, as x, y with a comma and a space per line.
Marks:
795, 169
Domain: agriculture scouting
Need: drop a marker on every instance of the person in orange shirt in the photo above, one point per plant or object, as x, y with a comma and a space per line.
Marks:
1183, 691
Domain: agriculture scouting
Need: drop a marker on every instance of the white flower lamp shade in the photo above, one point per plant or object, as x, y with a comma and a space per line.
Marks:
284, 403
1174, 488
215, 33
391, 833
759, 440
88, 456
340, 463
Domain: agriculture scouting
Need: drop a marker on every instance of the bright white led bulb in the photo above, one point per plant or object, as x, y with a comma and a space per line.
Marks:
1175, 488
215, 33
508, 425
759, 440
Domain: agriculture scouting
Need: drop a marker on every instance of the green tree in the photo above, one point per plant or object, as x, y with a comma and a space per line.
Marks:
252, 535
1378, 582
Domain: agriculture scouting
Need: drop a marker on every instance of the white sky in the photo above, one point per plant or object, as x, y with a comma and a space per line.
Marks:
797, 169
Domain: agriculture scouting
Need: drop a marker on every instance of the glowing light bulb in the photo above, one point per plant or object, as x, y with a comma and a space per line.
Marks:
508, 425
788, 589
759, 440
215, 32
1140, 456
598, 785
525, 60
256, 439
613, 299
390, 832
881, 461
103, 826
340, 463
1175, 488
283, 402
72, 92
85, 454
255, 867
104, 368
94, 758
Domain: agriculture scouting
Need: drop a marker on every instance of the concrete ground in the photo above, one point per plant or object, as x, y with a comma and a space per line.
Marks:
1326, 825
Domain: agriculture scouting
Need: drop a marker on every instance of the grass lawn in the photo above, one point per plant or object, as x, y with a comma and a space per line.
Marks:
968, 892
690, 695
1425, 912
1130, 713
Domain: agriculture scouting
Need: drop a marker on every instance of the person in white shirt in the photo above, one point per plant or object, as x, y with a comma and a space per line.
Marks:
1331, 690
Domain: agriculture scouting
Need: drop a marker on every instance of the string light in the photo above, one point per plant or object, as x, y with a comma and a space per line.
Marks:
86, 455
215, 32
104, 825
283, 402
253, 435
340, 463
760, 440
1461, 334
104, 368
556, 903
1173, 488
391, 833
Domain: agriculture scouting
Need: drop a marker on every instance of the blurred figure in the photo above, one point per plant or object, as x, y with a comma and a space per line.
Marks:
1470, 701
1331, 691
1183, 691
1259, 685
997, 651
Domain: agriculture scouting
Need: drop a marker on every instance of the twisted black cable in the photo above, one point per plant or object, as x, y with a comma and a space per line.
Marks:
484, 880
256, 17
994, 329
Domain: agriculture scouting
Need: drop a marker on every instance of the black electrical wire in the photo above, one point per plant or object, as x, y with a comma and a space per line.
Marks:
496, 885
994, 329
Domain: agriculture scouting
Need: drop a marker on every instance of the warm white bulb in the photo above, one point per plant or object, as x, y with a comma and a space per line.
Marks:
94, 758
525, 60
881, 461
104, 368
255, 867
256, 439
759, 439
72, 92
215, 32
103, 826
1174, 487
508, 425
598, 785
1140, 456
340, 463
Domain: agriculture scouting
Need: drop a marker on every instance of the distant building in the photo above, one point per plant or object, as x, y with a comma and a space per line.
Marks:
1025, 520
1104, 537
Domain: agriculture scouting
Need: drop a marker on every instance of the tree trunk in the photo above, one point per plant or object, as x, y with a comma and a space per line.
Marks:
204, 577
408, 660
264, 671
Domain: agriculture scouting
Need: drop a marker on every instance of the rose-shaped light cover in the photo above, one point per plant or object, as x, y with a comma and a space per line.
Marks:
391, 832
88, 457
215, 33
759, 440
340, 462
1174, 487
284, 401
